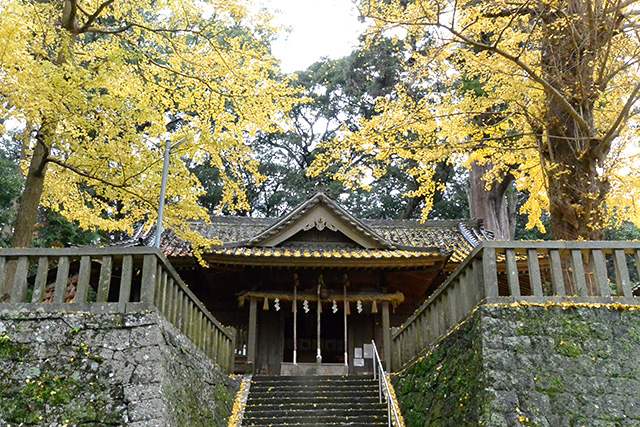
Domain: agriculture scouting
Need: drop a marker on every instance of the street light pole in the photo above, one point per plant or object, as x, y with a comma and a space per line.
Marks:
163, 188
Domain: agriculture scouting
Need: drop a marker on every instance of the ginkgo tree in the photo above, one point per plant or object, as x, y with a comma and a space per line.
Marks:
103, 83
544, 91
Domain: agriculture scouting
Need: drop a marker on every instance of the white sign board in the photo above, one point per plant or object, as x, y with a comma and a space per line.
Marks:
357, 352
358, 361
368, 351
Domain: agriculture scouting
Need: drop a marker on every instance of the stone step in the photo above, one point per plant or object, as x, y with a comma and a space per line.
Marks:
312, 398
314, 420
372, 404
313, 412
313, 379
275, 423
275, 393
319, 386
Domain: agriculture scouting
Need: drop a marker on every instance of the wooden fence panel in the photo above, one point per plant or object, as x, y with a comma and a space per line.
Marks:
159, 283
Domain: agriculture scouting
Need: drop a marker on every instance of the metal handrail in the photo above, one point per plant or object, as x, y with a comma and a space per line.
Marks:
383, 383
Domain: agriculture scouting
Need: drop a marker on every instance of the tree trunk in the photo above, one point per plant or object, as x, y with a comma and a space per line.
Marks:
410, 207
28, 208
34, 185
571, 151
493, 205
576, 204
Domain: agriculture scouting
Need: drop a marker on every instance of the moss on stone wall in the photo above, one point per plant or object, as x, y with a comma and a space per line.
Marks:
445, 387
524, 365
106, 369
71, 389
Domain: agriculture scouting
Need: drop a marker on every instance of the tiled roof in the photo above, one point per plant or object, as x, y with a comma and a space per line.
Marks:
266, 238
458, 237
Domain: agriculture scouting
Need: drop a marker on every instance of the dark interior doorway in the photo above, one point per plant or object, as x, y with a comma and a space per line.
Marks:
331, 335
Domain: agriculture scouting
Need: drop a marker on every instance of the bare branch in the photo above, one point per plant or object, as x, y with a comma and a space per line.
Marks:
614, 130
122, 187
508, 25
103, 31
94, 16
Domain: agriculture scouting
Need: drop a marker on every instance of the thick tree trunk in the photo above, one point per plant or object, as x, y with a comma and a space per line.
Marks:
493, 205
576, 198
28, 208
570, 149
410, 207
34, 185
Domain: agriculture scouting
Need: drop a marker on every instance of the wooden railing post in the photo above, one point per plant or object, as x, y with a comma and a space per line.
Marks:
534, 272
253, 326
149, 265
623, 283
83, 280
104, 282
578, 272
386, 333
600, 266
19, 292
556, 273
62, 277
512, 273
41, 280
3, 276
489, 272
125, 281
232, 355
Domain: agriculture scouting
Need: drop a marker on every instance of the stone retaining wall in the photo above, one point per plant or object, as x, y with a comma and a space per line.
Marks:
519, 365
131, 369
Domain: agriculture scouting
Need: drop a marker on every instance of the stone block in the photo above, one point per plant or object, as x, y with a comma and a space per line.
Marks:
148, 373
150, 410
140, 392
144, 336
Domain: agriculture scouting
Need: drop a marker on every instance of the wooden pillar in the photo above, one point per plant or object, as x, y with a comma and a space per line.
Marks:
253, 329
345, 306
318, 312
386, 335
295, 319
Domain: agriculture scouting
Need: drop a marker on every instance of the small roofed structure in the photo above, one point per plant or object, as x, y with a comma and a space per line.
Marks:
309, 291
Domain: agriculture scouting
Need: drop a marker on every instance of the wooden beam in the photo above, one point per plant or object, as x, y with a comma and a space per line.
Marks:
253, 329
386, 334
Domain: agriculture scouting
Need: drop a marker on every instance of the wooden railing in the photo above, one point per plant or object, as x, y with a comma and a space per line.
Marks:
502, 272
111, 280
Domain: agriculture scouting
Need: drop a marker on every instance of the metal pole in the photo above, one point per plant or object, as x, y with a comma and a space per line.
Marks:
346, 347
163, 192
295, 320
375, 365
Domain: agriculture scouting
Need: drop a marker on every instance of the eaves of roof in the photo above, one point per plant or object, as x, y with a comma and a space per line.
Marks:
320, 198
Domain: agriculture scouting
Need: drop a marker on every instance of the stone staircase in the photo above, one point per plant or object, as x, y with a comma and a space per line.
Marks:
314, 401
